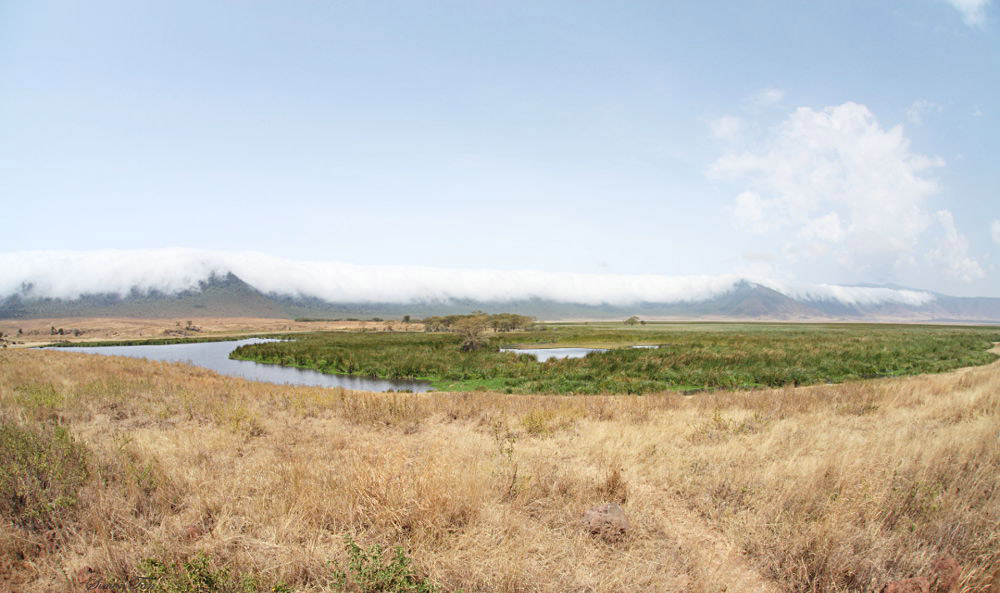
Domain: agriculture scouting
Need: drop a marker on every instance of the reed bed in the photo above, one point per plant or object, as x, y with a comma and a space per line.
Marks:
688, 356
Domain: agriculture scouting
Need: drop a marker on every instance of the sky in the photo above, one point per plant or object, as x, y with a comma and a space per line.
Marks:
840, 142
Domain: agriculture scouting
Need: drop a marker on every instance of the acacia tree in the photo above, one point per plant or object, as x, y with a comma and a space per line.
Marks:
505, 322
633, 320
471, 329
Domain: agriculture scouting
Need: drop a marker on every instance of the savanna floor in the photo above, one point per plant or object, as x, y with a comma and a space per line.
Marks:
110, 461
33, 332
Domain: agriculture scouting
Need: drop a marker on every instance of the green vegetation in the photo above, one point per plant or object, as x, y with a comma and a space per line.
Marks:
367, 571
500, 322
41, 472
373, 571
198, 574
688, 356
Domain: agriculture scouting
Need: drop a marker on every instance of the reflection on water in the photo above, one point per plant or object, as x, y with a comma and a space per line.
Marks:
215, 356
543, 354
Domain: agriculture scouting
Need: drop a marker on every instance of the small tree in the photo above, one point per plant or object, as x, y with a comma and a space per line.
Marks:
633, 320
471, 329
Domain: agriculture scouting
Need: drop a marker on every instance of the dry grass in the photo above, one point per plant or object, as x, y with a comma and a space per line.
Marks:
831, 488
94, 329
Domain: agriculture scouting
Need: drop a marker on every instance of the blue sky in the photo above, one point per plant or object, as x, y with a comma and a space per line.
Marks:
840, 142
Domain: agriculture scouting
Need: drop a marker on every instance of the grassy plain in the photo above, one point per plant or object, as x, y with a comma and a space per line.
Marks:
34, 332
690, 356
114, 468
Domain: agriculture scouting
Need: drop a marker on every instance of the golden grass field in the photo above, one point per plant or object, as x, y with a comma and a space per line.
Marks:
829, 488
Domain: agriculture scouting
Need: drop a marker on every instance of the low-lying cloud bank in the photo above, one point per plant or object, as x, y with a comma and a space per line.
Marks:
71, 274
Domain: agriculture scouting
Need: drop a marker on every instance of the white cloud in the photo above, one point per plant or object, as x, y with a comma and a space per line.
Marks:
824, 228
920, 109
836, 178
727, 127
995, 231
850, 295
70, 274
767, 97
952, 251
973, 11
751, 211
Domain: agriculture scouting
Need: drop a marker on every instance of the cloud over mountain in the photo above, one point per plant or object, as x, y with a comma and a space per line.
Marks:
71, 274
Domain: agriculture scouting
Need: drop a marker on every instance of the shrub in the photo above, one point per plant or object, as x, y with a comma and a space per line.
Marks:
195, 575
374, 571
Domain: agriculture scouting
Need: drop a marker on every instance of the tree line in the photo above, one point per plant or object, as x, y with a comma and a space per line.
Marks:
499, 322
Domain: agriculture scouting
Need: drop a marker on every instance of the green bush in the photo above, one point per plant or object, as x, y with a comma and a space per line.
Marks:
195, 575
374, 571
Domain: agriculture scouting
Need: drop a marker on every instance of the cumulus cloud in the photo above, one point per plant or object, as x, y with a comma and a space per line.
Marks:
973, 11
952, 251
841, 182
69, 274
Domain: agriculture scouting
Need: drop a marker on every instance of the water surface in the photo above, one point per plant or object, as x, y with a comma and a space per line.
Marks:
215, 356
543, 354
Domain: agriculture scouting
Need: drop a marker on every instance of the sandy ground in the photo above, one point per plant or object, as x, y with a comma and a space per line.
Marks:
32, 332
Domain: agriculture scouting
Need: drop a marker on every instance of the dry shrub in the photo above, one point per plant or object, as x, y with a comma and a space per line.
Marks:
613, 488
382, 409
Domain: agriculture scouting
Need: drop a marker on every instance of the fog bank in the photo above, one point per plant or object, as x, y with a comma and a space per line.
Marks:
71, 274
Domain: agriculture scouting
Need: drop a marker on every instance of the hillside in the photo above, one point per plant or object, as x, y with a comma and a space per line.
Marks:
230, 296
226, 296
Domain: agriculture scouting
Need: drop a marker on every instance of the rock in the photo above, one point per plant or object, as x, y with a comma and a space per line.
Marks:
914, 585
946, 573
607, 521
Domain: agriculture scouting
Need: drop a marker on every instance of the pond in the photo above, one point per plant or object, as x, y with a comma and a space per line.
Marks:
543, 354
215, 356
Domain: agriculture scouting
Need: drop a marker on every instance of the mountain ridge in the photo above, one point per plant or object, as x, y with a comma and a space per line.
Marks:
227, 295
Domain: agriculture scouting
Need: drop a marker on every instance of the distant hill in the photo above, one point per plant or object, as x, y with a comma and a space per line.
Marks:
225, 296
229, 296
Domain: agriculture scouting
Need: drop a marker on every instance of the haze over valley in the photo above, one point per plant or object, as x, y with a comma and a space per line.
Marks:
178, 282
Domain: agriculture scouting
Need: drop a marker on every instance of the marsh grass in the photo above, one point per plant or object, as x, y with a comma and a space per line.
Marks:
826, 488
689, 356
